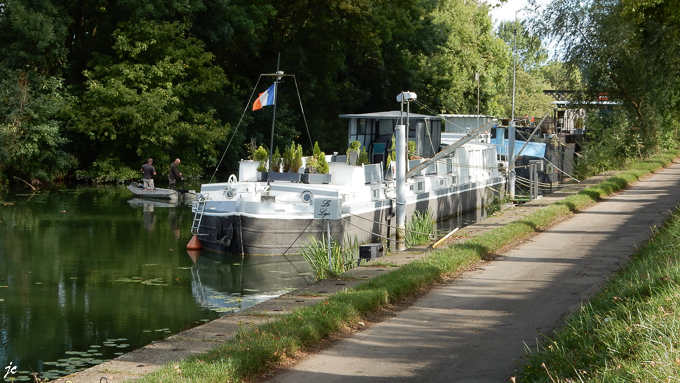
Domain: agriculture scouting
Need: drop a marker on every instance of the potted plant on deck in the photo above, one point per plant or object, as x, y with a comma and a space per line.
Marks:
247, 169
349, 173
353, 152
261, 155
276, 161
413, 151
292, 161
296, 163
317, 168
363, 157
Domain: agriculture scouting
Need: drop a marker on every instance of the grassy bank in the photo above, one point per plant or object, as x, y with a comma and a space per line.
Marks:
253, 352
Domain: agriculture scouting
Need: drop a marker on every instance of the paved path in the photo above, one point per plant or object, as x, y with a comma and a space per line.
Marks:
475, 328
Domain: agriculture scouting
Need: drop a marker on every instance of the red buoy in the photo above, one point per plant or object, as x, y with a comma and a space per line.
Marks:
194, 244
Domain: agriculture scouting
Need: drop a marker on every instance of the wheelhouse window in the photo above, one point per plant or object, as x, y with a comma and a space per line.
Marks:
362, 131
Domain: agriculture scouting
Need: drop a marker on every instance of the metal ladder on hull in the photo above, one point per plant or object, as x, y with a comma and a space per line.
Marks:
198, 216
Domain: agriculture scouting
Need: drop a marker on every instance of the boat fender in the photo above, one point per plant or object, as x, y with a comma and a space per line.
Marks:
194, 244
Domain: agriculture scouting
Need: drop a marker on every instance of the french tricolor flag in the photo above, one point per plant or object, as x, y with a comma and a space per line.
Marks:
266, 98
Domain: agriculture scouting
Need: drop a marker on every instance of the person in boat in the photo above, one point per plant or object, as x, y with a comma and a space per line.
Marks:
174, 174
148, 171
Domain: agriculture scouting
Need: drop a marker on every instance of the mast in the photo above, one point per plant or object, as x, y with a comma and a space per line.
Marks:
477, 79
271, 141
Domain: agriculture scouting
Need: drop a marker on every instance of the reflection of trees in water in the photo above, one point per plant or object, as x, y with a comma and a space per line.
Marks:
62, 253
73, 224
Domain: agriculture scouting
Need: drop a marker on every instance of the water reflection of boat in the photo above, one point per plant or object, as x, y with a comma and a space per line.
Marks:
181, 195
227, 283
150, 204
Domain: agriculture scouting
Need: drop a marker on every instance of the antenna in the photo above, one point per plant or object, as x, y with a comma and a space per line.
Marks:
511, 126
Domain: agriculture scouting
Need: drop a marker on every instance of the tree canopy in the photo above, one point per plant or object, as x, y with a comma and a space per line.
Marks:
94, 88
625, 51
91, 89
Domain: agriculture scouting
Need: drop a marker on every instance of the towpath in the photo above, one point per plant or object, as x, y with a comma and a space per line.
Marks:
472, 329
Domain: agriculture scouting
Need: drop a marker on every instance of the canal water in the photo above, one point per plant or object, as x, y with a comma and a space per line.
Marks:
89, 273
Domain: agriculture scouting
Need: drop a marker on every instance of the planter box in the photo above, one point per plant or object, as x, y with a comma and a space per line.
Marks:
262, 176
316, 178
290, 177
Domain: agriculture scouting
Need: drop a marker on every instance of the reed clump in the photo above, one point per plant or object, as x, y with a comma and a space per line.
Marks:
341, 259
420, 228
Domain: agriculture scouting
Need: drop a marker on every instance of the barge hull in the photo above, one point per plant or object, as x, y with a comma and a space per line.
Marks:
249, 235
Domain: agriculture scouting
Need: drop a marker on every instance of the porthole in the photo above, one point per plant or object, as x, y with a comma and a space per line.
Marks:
307, 196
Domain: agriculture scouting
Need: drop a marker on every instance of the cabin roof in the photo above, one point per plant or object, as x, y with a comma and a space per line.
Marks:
394, 115
577, 103
467, 115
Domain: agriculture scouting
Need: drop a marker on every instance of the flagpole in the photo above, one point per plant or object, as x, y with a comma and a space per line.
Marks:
271, 142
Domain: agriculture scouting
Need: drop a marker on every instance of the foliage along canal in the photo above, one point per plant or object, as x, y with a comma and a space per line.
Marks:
89, 273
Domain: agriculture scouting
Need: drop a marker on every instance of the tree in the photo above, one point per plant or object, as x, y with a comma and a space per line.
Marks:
530, 52
32, 145
161, 78
628, 50
32, 35
447, 76
153, 99
32, 92
561, 76
349, 56
530, 55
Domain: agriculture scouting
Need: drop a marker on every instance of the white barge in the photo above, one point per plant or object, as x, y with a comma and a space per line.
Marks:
246, 216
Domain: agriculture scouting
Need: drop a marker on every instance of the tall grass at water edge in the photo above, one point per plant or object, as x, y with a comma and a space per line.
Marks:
420, 227
254, 351
342, 258
419, 230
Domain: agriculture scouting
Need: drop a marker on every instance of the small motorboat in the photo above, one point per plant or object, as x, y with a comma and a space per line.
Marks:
179, 195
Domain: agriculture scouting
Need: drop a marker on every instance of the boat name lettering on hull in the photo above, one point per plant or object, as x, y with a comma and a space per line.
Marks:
327, 208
